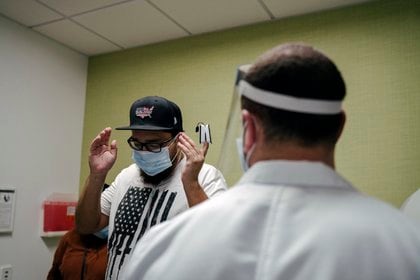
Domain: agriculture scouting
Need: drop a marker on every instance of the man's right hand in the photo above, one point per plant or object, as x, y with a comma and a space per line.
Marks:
102, 153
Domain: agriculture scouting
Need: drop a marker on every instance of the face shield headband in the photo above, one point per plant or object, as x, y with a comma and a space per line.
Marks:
283, 101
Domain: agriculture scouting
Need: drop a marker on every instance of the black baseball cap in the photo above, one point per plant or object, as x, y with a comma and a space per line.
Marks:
154, 113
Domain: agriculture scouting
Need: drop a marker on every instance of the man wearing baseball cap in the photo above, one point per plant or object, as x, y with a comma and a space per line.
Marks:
167, 177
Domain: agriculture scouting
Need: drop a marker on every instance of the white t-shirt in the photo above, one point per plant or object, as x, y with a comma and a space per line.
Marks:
283, 220
134, 207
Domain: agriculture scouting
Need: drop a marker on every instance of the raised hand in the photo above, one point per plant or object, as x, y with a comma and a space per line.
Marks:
194, 158
102, 153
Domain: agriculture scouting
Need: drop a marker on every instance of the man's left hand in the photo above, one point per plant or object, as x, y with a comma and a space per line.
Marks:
194, 159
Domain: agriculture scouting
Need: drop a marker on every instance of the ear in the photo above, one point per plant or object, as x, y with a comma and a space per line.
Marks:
343, 121
250, 136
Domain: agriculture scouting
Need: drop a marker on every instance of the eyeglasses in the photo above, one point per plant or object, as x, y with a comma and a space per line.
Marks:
151, 147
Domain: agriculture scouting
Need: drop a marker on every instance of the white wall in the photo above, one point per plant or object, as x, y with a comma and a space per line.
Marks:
42, 97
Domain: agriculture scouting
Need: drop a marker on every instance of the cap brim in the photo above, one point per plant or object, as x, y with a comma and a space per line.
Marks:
144, 127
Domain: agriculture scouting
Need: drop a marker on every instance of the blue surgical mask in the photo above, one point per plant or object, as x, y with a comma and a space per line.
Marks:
152, 163
240, 149
244, 159
103, 233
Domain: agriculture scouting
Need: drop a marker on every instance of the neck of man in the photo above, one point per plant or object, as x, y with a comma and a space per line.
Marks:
293, 151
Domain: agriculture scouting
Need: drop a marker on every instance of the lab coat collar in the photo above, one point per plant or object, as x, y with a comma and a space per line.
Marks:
294, 173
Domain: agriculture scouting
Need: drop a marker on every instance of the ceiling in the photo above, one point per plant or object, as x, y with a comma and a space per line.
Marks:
99, 26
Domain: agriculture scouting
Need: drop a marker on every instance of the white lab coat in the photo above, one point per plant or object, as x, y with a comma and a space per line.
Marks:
283, 220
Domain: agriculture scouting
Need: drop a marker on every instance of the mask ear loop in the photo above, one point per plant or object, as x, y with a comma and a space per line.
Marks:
247, 156
178, 151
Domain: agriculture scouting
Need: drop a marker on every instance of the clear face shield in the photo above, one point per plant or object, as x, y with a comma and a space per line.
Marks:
229, 161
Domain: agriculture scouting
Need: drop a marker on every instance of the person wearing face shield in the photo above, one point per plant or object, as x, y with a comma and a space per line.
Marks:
168, 176
291, 215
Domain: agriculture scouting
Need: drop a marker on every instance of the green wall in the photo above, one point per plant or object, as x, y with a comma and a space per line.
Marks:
376, 45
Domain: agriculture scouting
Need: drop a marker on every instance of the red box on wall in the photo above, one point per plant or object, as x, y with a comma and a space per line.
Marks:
59, 212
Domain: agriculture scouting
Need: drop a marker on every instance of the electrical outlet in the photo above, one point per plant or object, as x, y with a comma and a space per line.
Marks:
6, 272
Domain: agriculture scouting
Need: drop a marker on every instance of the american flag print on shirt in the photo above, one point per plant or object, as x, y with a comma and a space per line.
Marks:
140, 209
